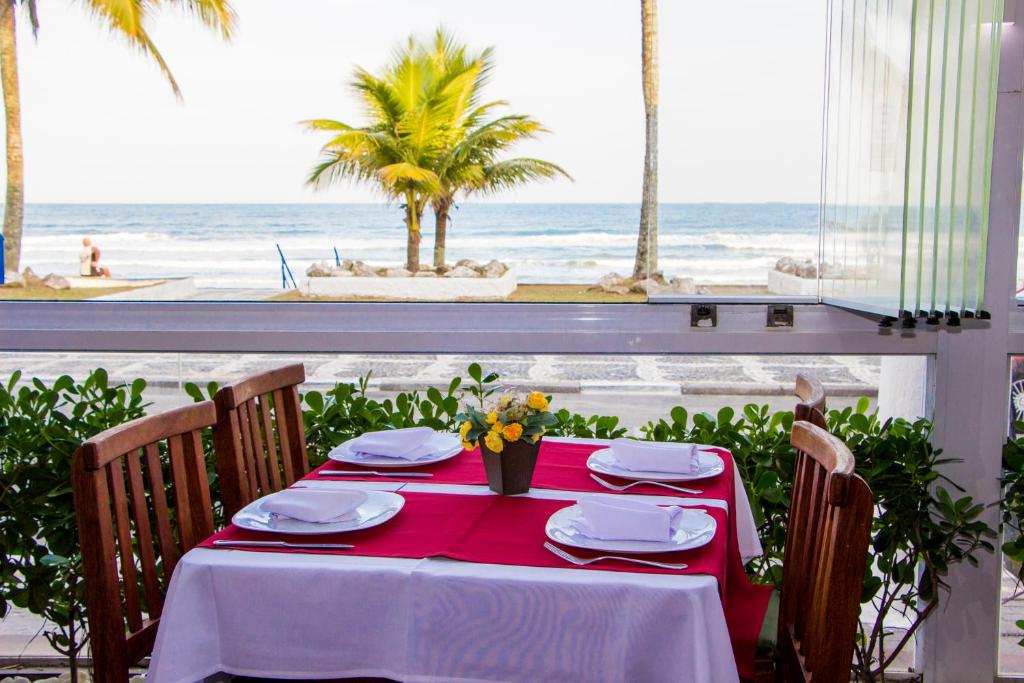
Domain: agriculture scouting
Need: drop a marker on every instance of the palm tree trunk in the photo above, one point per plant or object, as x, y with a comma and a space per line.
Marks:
413, 214
646, 261
14, 206
441, 210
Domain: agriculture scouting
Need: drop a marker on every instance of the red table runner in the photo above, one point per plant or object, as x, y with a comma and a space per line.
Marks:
561, 466
465, 527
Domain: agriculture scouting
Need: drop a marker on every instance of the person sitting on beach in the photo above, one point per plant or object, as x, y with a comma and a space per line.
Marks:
89, 261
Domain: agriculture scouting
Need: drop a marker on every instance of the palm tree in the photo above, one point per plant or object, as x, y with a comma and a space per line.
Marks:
127, 18
646, 262
409, 107
429, 137
470, 161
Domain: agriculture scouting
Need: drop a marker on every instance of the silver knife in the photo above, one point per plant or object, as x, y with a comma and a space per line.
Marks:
369, 473
226, 543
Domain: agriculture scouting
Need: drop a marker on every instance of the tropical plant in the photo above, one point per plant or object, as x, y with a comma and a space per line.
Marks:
408, 108
428, 137
920, 528
40, 428
126, 18
646, 262
470, 162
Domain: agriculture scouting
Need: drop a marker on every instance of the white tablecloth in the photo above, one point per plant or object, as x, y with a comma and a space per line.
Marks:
330, 616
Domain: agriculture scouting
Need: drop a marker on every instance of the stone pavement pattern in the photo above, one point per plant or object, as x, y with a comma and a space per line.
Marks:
743, 375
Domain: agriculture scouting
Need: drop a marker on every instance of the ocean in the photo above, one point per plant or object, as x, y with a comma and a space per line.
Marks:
233, 245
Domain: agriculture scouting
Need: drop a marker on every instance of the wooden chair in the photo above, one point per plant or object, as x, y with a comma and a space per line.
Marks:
132, 521
811, 407
260, 438
827, 539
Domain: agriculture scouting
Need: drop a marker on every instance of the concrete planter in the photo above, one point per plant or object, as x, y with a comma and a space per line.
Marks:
791, 285
416, 288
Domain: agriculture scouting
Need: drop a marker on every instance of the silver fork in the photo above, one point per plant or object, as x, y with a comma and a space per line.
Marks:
626, 487
584, 562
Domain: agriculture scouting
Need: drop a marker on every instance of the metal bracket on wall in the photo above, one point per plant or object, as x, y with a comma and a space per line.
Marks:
780, 315
703, 315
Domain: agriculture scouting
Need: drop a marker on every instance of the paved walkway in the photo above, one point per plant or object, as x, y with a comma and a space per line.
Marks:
675, 375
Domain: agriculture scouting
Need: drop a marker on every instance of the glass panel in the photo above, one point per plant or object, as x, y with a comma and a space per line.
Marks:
738, 155
905, 230
868, 90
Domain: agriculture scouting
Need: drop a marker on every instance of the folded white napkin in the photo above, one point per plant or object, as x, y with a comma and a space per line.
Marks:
314, 505
650, 456
405, 444
620, 519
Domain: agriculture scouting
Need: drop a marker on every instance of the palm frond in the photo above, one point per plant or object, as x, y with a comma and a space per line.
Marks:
510, 173
33, 16
324, 124
215, 14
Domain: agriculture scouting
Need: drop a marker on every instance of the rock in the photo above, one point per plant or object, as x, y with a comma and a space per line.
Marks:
319, 270
786, 265
425, 273
682, 285
54, 281
645, 286
13, 279
441, 270
462, 271
467, 263
615, 283
703, 291
426, 267
342, 272
15, 679
360, 269
31, 279
346, 264
397, 272
831, 270
494, 268
807, 270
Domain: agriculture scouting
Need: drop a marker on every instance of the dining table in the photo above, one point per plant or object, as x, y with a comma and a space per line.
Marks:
459, 587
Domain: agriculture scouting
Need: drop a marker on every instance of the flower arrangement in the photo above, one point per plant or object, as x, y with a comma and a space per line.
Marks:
511, 418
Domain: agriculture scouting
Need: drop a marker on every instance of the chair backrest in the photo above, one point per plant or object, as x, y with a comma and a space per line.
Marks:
827, 540
811, 407
135, 520
260, 437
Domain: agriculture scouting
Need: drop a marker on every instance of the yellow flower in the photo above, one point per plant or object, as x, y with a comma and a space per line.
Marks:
537, 401
464, 429
492, 417
512, 432
494, 442
497, 427
467, 446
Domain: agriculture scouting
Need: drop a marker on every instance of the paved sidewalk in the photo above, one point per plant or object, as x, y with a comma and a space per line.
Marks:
668, 375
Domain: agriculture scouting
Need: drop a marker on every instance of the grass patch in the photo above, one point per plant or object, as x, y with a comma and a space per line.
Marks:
47, 294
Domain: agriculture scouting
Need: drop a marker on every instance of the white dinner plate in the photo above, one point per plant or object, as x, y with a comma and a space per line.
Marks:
443, 445
379, 507
698, 532
709, 464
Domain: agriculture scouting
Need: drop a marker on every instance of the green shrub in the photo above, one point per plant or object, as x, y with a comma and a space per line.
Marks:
40, 428
920, 528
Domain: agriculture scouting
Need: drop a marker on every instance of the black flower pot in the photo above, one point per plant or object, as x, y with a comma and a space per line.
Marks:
511, 471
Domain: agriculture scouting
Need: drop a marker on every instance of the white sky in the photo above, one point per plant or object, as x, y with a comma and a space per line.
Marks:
740, 114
